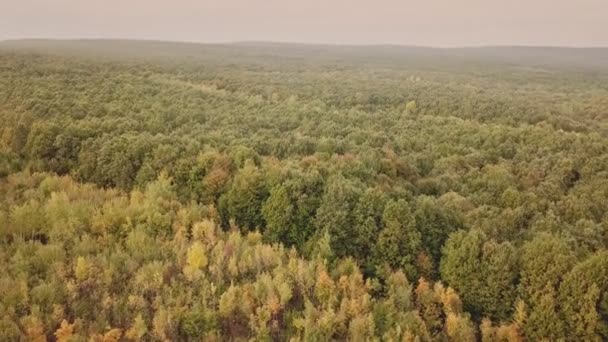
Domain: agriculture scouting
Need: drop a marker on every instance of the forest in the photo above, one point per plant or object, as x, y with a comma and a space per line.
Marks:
156, 191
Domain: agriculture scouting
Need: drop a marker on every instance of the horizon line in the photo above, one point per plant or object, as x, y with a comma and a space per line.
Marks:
302, 43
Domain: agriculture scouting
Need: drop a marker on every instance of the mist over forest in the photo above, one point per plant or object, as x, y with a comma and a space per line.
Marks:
166, 191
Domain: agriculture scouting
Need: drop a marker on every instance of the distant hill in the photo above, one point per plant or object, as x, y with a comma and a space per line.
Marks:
583, 59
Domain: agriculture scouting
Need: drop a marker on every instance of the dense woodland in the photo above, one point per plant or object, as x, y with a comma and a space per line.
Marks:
163, 191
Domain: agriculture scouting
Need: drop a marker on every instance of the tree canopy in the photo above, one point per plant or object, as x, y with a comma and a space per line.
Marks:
161, 191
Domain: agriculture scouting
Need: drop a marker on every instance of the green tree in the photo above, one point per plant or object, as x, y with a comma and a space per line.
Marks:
335, 214
435, 224
482, 271
368, 223
544, 261
399, 241
244, 199
544, 321
289, 210
279, 216
584, 299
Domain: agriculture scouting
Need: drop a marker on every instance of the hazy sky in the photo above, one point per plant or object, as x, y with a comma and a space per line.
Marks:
419, 22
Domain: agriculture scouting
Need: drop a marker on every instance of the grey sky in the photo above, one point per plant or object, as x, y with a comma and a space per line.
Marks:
418, 22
